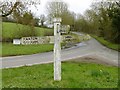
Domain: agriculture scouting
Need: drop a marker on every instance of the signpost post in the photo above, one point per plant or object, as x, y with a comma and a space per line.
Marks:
57, 50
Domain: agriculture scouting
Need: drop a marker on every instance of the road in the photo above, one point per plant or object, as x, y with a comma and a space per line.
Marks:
90, 47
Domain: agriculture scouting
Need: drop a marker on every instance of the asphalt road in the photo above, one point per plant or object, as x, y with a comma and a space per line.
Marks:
91, 47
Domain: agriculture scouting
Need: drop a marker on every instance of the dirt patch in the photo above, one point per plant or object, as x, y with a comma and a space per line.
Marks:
95, 59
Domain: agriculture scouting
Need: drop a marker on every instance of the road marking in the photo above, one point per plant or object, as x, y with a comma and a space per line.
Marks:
13, 57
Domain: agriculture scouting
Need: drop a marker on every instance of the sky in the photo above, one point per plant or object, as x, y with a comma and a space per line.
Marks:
78, 6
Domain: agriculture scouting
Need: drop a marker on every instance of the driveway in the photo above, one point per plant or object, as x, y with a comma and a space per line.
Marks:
87, 48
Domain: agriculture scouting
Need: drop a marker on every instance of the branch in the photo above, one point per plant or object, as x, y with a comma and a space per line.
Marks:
13, 8
118, 3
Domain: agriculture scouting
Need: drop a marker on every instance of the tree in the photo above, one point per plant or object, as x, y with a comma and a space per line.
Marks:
60, 9
29, 25
42, 19
102, 20
68, 18
27, 18
36, 21
56, 9
8, 8
114, 14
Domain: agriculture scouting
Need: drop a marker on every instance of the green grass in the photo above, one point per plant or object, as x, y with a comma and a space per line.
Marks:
8, 49
12, 30
107, 43
77, 40
74, 75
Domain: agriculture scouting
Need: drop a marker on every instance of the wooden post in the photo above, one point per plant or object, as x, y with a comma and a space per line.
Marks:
57, 50
1, 51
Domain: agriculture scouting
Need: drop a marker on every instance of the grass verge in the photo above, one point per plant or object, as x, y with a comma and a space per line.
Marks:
8, 49
107, 43
74, 75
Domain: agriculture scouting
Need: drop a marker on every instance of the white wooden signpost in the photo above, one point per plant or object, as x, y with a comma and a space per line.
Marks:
57, 49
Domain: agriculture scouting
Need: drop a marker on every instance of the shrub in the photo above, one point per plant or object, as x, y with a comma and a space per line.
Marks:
48, 33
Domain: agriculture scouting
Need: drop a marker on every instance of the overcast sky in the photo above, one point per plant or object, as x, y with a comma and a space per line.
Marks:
78, 6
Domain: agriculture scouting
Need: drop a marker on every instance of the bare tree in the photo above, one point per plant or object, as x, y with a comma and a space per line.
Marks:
56, 9
60, 9
8, 8
42, 19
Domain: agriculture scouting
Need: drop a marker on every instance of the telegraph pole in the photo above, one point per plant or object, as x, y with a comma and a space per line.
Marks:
57, 50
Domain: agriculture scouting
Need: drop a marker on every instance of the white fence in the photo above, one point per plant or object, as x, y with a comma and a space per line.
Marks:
37, 40
46, 39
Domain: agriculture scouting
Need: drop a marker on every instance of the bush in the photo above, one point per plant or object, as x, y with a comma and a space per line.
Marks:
11, 31
27, 31
48, 33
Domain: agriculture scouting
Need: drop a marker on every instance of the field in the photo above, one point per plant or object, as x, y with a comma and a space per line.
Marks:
13, 30
74, 75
